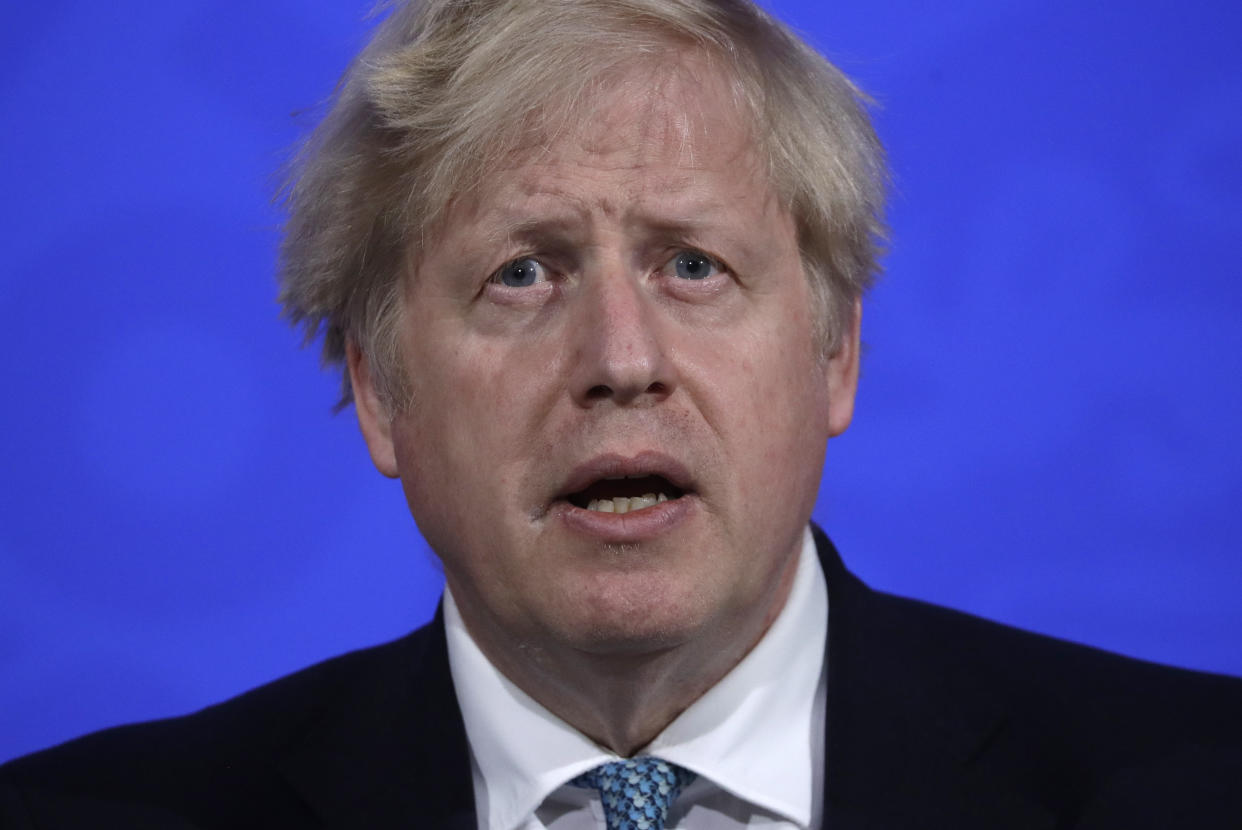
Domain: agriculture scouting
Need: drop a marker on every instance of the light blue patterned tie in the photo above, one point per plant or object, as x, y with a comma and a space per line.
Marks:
636, 792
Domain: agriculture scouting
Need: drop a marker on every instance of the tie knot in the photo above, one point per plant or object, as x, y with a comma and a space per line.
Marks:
636, 792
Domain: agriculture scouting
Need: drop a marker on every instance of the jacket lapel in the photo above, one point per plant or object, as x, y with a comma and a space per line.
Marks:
391, 751
907, 737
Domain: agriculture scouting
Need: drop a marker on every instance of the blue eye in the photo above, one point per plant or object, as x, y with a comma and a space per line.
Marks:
520, 273
693, 265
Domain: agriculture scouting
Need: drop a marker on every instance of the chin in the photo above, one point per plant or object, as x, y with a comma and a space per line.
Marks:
608, 640
636, 617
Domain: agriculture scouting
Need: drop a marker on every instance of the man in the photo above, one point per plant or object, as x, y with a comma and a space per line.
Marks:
594, 270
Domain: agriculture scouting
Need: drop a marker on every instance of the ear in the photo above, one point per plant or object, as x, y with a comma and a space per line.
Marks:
373, 416
842, 375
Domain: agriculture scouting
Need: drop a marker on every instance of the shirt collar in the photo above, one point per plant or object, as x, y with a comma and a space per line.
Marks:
759, 712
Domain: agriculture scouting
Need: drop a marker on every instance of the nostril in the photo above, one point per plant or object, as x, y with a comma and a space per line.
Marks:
657, 388
600, 391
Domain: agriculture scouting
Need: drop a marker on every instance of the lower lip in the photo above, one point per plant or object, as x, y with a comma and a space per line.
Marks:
632, 527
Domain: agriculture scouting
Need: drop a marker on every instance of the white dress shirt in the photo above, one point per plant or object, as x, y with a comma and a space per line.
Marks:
756, 738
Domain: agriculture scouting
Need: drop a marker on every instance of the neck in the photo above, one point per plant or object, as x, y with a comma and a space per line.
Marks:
623, 700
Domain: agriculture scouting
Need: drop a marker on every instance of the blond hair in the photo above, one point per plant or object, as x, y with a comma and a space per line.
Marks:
446, 89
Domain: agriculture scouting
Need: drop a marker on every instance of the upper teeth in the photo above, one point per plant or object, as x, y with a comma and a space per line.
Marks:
624, 504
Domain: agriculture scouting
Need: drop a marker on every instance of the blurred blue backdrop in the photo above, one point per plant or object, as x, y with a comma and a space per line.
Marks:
1049, 431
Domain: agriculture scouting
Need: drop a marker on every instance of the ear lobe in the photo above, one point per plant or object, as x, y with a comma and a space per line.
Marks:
842, 375
373, 416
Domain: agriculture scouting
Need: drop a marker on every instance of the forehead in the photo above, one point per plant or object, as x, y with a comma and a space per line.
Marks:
673, 108
671, 130
666, 143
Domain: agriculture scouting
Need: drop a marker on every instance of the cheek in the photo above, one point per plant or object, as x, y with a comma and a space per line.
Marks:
449, 453
774, 406
475, 407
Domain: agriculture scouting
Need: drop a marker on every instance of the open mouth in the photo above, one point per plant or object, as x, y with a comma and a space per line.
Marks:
625, 494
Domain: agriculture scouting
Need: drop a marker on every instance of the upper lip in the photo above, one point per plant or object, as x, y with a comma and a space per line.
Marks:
613, 465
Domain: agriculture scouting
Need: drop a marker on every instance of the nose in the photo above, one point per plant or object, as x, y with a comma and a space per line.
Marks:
619, 342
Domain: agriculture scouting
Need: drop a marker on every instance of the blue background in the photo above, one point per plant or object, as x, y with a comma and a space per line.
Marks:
1047, 430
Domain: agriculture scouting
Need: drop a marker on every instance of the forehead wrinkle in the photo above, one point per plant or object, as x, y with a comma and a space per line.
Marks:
533, 208
683, 122
533, 230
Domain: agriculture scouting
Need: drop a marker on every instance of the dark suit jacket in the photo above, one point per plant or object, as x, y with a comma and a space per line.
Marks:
936, 719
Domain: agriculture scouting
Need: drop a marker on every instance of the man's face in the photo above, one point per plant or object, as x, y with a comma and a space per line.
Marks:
621, 313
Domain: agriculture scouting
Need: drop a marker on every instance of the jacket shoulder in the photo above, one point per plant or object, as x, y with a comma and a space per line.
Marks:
938, 718
1089, 689
921, 658
219, 766
1112, 740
